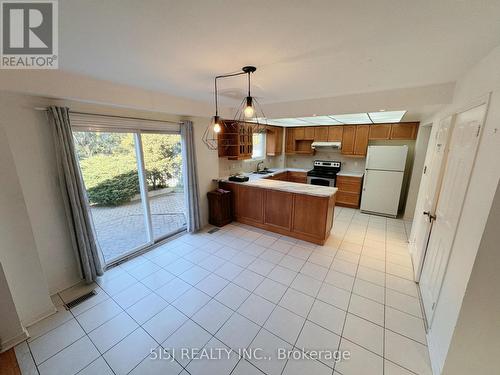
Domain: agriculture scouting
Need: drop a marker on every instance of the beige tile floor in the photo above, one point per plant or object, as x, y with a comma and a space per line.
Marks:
246, 288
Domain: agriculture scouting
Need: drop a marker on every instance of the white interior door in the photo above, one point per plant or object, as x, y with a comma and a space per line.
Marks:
461, 156
430, 185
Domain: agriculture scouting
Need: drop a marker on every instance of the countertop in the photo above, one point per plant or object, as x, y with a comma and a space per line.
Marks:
258, 180
350, 174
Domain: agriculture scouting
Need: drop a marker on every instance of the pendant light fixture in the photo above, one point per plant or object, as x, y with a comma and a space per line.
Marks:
246, 112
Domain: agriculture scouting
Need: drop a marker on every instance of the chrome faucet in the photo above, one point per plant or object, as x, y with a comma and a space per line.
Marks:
259, 164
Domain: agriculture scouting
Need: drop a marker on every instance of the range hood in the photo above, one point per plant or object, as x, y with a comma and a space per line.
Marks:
334, 145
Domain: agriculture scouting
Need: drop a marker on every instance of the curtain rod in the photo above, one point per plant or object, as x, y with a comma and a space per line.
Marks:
115, 116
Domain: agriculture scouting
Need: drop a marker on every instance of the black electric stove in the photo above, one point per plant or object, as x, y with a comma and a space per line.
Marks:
324, 173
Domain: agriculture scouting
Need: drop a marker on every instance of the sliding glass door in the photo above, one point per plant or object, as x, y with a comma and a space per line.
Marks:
134, 187
163, 166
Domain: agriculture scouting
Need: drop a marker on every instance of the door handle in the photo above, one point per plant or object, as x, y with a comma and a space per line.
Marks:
431, 216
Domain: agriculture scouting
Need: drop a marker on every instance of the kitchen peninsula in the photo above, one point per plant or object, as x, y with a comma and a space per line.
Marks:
294, 209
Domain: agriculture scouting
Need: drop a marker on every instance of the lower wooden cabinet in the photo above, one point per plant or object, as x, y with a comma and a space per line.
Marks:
306, 217
300, 177
251, 203
349, 193
278, 209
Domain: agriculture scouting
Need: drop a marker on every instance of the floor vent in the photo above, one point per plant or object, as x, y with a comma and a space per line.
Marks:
213, 230
80, 299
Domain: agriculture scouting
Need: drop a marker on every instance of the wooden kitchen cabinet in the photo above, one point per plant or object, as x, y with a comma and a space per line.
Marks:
278, 209
250, 204
348, 136
299, 133
380, 131
404, 130
309, 133
349, 192
311, 215
289, 141
321, 134
361, 140
274, 141
300, 177
235, 140
335, 133
302, 216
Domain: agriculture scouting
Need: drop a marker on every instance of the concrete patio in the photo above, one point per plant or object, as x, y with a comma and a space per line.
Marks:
122, 228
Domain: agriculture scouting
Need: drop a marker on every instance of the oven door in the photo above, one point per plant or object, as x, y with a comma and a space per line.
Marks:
321, 181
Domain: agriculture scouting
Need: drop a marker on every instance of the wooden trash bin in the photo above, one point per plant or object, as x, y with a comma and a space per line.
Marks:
219, 207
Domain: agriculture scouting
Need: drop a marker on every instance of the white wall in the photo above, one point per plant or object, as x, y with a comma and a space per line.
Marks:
476, 341
11, 330
483, 78
18, 253
30, 139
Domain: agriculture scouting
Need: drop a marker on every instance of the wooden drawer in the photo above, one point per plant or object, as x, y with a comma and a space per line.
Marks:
349, 184
347, 199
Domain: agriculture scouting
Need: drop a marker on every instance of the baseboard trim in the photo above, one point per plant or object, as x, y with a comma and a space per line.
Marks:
10, 343
40, 317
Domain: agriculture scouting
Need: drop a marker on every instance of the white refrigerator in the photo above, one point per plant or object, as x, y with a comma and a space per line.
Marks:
383, 180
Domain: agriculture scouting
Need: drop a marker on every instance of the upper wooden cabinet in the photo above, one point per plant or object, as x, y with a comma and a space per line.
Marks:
348, 136
289, 141
309, 133
235, 140
380, 131
361, 140
274, 140
321, 134
404, 130
355, 140
335, 133
299, 134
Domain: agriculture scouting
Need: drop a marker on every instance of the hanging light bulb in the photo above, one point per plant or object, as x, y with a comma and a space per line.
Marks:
216, 122
249, 110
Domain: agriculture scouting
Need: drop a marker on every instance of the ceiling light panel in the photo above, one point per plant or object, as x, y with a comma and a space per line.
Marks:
320, 120
352, 118
288, 121
384, 117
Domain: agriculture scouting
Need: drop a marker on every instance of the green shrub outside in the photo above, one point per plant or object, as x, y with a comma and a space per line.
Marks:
109, 168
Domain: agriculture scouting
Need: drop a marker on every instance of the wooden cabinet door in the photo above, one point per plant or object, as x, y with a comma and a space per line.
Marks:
279, 141
348, 184
299, 133
309, 132
309, 215
290, 141
321, 134
348, 136
404, 130
361, 140
335, 133
380, 131
274, 140
250, 203
278, 209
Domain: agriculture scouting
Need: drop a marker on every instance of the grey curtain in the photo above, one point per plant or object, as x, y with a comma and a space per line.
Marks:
75, 196
190, 176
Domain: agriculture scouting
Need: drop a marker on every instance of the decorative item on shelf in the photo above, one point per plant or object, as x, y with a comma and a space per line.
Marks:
249, 114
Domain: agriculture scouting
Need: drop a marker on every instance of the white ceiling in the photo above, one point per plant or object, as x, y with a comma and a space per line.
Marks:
302, 49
